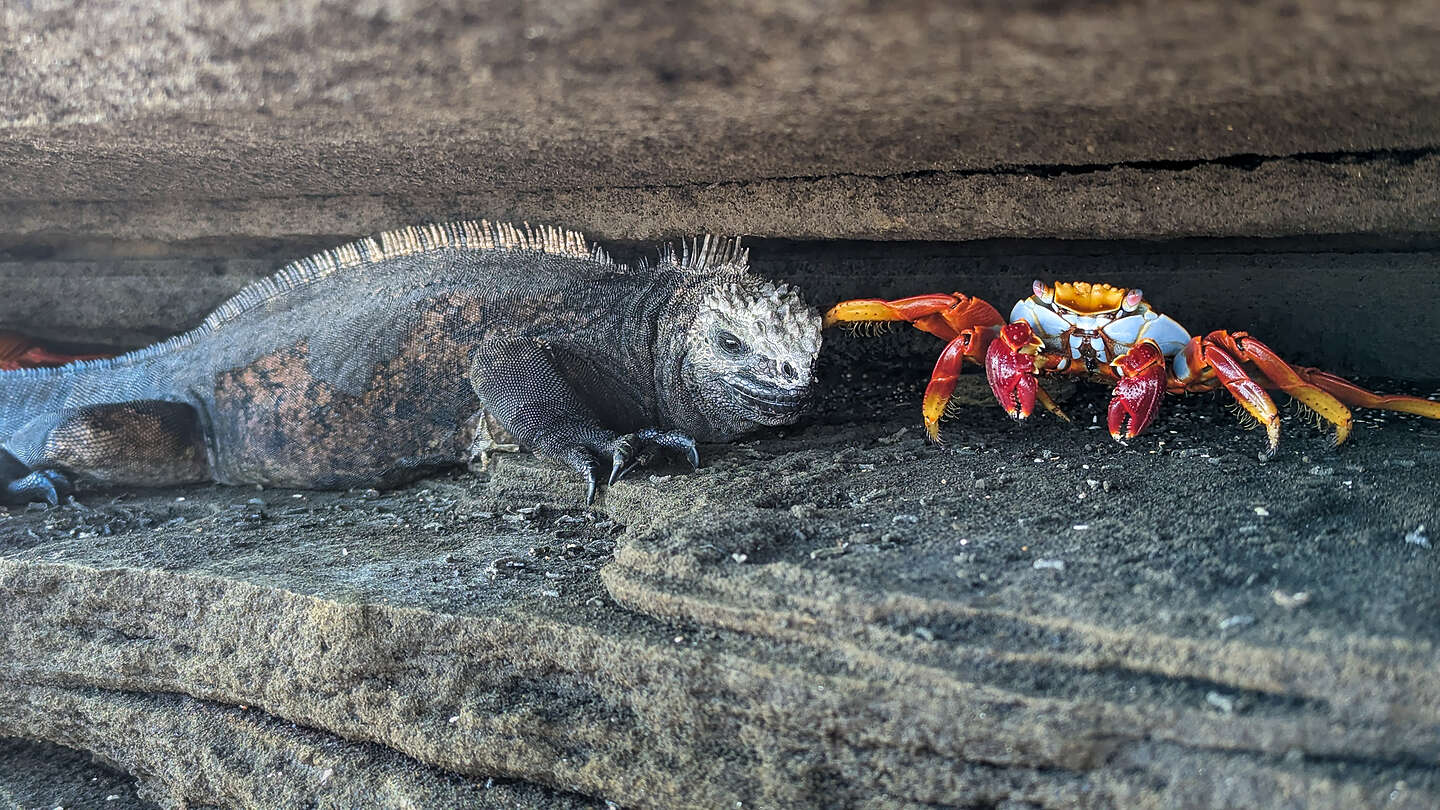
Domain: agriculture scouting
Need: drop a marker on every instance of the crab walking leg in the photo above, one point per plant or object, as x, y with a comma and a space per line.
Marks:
943, 315
942, 385
967, 324
1206, 354
1139, 387
1352, 394
970, 344
921, 311
1282, 376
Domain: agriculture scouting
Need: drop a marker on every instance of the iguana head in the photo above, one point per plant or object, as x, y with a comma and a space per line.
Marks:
750, 354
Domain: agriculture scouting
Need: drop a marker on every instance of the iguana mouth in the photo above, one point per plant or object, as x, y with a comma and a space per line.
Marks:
768, 401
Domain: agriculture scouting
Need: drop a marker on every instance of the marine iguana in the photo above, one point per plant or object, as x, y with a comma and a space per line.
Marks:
373, 363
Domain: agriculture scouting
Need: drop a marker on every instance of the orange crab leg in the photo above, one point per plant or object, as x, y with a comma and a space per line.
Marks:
1282, 376
971, 344
967, 324
18, 351
945, 316
942, 385
1208, 353
1352, 394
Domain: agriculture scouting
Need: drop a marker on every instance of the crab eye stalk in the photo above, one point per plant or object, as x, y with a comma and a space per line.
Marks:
1132, 300
1043, 291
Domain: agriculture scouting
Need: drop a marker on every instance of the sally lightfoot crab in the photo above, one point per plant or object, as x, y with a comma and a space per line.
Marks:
1111, 335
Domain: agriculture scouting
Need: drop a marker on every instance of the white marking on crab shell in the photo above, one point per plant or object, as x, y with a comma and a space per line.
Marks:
1125, 331
1048, 324
1169, 335
1098, 344
1179, 368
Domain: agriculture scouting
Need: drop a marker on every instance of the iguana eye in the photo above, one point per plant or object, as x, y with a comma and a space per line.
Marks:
730, 343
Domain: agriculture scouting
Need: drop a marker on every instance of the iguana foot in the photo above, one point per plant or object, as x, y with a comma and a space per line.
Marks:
637, 449
624, 453
49, 486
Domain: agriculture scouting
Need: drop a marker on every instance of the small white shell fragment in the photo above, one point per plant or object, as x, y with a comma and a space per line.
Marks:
1242, 620
1288, 600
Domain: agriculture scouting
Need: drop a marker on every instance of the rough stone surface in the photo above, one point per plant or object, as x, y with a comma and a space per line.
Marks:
839, 614
787, 118
191, 753
834, 616
1342, 303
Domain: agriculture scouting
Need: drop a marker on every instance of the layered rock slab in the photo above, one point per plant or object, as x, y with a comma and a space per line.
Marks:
1343, 303
841, 615
190, 753
788, 118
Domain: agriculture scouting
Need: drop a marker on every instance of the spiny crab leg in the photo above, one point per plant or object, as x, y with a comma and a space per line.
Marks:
943, 315
967, 324
1139, 387
1353, 395
1282, 376
942, 385
1207, 353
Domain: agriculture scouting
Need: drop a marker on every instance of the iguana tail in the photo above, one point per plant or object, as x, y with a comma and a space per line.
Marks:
97, 419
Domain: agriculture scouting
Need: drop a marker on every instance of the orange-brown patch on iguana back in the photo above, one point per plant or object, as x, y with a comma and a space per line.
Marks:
275, 422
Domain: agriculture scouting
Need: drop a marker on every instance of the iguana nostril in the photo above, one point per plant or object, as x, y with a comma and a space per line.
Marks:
788, 371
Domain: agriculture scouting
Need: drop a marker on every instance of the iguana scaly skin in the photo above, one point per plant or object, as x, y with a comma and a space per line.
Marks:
381, 360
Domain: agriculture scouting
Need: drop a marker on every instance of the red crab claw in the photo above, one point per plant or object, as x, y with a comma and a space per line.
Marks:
1140, 385
18, 351
1010, 366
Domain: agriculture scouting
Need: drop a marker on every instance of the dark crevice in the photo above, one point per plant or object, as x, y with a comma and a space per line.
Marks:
1246, 161
1243, 161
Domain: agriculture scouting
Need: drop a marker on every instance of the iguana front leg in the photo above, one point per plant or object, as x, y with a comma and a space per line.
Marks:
524, 390
146, 443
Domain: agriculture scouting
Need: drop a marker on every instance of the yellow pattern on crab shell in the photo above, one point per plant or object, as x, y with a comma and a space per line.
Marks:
1084, 298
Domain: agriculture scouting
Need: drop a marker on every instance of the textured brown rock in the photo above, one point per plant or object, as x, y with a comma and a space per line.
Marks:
836, 620
837, 617
777, 117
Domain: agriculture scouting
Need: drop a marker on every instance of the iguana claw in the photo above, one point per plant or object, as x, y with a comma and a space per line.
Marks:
49, 486
624, 457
